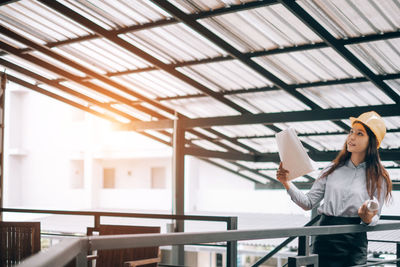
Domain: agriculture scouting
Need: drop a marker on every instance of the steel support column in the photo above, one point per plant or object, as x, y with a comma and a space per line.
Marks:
178, 178
3, 81
231, 250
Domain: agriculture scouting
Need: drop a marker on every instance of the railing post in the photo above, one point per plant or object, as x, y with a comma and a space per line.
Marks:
96, 221
231, 248
398, 253
303, 255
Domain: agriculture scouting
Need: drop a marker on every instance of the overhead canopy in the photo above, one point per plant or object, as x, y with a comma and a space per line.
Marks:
234, 72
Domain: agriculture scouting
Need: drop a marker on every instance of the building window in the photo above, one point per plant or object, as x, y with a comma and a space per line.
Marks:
76, 174
108, 178
158, 178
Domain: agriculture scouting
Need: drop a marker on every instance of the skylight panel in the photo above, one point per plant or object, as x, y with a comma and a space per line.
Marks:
308, 66
244, 130
87, 91
61, 93
132, 111
391, 141
234, 146
264, 145
201, 107
113, 89
382, 57
161, 84
61, 65
12, 42
208, 145
350, 95
311, 126
272, 101
32, 67
326, 142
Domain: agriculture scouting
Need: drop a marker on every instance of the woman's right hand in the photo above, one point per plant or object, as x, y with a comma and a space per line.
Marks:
282, 176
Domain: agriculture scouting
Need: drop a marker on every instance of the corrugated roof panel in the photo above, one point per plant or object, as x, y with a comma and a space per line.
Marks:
195, 6
263, 145
174, 43
265, 102
12, 42
244, 130
158, 83
234, 146
200, 107
59, 64
87, 91
308, 66
349, 95
208, 145
19, 75
119, 13
159, 135
104, 56
344, 18
326, 142
392, 122
65, 95
226, 76
205, 132
394, 84
382, 57
391, 141
133, 112
311, 126
114, 16
261, 28
113, 89
39, 23
31, 67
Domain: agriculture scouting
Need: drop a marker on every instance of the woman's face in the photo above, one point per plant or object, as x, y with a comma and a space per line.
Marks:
357, 141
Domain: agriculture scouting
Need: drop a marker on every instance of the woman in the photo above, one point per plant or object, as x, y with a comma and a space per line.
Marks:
354, 177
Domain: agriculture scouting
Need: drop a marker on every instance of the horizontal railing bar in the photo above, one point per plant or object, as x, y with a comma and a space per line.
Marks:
58, 255
390, 217
123, 214
377, 262
150, 240
382, 241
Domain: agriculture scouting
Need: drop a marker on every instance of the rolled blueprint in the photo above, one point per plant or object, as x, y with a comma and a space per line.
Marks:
292, 154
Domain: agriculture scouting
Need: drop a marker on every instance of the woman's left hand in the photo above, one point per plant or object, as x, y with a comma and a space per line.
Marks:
365, 214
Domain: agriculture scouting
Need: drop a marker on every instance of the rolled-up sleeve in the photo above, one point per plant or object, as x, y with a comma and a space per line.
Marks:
312, 198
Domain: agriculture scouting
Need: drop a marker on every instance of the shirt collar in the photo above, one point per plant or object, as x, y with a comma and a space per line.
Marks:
350, 164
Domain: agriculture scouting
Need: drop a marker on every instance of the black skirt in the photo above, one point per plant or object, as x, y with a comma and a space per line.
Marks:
341, 250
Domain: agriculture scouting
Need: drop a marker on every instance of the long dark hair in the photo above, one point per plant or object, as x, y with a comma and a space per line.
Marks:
375, 172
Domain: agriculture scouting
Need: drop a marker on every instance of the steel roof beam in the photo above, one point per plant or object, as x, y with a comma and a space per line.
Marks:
293, 116
277, 51
385, 154
391, 76
129, 47
339, 47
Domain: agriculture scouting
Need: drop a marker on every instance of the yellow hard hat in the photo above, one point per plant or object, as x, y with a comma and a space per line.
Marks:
374, 122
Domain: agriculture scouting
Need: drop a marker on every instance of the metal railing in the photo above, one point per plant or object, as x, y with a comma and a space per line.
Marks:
231, 222
58, 255
69, 249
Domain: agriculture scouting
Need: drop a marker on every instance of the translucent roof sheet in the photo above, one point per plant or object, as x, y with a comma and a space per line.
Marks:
174, 43
349, 95
225, 76
308, 66
272, 101
144, 63
382, 57
261, 28
351, 18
